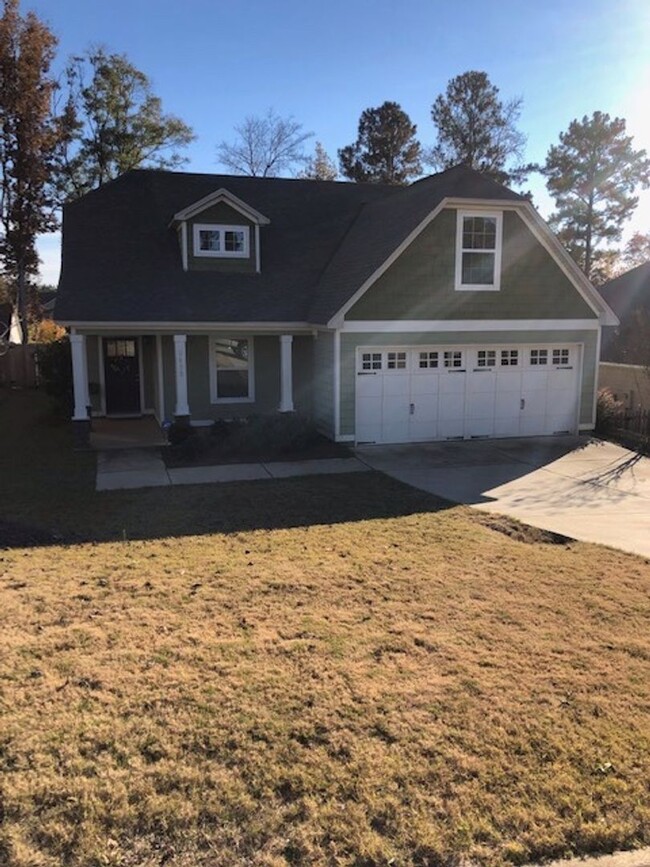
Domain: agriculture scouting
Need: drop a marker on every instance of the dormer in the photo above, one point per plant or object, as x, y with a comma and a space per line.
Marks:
220, 233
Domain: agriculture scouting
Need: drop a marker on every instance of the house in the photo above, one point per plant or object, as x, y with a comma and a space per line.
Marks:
442, 310
625, 355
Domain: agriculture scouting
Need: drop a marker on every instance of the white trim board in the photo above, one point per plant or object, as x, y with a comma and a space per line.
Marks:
474, 325
193, 327
221, 195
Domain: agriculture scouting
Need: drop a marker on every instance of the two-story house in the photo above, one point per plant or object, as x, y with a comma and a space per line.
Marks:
442, 310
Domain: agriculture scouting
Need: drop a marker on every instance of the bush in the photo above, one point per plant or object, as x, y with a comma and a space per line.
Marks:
281, 432
608, 409
177, 433
55, 368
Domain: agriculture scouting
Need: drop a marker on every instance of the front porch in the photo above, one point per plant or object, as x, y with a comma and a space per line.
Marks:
130, 384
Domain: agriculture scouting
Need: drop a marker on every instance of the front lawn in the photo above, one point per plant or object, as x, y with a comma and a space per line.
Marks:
323, 671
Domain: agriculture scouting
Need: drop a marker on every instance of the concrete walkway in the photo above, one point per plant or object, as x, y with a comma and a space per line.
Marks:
144, 468
638, 858
581, 487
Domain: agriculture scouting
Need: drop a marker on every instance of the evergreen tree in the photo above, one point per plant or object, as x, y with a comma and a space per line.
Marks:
592, 174
114, 123
476, 128
386, 150
319, 167
637, 250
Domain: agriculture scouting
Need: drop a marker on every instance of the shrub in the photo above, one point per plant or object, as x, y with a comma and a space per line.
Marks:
179, 433
55, 368
282, 432
608, 409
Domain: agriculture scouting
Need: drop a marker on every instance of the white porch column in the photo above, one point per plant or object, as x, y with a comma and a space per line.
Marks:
180, 368
286, 373
79, 376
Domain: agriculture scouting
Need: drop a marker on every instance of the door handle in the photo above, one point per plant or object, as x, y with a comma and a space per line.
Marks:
411, 409
522, 403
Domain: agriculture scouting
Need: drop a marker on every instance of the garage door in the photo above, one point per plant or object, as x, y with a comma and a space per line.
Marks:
426, 393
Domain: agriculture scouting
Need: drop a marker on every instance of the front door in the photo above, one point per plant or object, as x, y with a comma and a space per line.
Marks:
122, 376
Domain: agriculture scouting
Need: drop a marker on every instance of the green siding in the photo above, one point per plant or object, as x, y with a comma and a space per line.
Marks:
350, 342
323, 383
224, 215
303, 372
420, 284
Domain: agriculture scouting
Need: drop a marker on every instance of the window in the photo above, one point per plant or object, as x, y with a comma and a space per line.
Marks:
396, 361
371, 361
487, 357
221, 241
478, 251
509, 357
538, 356
231, 369
561, 357
428, 360
453, 358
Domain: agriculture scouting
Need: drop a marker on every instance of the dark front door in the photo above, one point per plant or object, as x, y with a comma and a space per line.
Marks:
122, 375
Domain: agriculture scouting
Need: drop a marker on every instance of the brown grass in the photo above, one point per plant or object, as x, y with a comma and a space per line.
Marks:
410, 688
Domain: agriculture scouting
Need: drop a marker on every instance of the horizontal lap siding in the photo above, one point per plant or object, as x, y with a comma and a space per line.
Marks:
350, 342
266, 366
323, 382
420, 283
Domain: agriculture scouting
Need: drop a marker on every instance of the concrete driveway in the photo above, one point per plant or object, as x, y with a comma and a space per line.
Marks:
581, 487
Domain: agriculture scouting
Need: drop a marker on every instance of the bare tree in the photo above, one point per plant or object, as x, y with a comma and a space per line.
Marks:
265, 146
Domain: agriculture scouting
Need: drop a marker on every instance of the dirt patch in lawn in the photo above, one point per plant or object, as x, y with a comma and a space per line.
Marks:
521, 532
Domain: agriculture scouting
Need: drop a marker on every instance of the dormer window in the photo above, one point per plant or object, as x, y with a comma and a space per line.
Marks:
478, 251
221, 241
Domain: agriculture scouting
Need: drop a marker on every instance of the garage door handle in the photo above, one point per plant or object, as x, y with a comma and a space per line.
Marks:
367, 373
411, 408
523, 403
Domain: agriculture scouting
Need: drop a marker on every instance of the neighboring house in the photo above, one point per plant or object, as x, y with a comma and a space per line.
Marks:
442, 310
625, 354
10, 328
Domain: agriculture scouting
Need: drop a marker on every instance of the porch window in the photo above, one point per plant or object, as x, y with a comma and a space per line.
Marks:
232, 370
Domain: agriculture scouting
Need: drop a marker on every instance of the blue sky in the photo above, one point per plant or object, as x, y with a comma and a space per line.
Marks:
213, 63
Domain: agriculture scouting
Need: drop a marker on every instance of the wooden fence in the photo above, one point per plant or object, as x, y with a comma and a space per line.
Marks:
19, 366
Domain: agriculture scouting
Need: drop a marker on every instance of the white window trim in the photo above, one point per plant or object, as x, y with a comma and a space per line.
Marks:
214, 397
478, 287
220, 254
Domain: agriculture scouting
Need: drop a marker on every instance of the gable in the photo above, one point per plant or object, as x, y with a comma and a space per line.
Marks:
420, 284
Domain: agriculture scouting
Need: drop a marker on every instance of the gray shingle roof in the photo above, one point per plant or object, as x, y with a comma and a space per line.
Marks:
121, 260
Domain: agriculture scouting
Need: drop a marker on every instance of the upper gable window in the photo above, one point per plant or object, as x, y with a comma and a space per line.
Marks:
221, 241
478, 251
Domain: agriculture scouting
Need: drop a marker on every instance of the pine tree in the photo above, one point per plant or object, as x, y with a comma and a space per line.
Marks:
319, 167
476, 128
592, 174
386, 150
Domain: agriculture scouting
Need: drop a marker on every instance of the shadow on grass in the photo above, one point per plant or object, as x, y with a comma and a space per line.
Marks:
49, 493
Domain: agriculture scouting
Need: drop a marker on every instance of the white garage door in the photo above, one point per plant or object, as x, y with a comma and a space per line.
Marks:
436, 393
